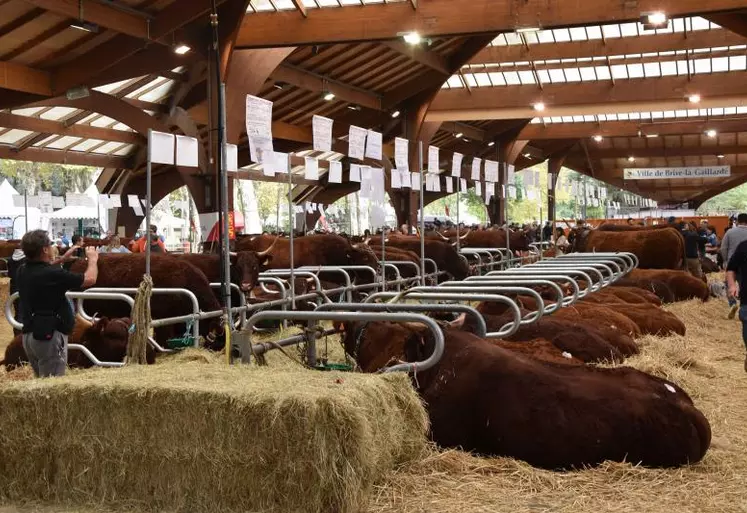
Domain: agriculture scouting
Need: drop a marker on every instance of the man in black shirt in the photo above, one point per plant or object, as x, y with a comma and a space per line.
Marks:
737, 270
47, 316
694, 243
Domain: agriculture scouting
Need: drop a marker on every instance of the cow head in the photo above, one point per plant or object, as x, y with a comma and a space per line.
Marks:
246, 266
107, 340
362, 254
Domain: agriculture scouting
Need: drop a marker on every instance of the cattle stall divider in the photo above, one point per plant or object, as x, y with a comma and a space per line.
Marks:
505, 331
586, 269
603, 271
482, 328
630, 257
247, 349
79, 296
548, 308
542, 274
529, 280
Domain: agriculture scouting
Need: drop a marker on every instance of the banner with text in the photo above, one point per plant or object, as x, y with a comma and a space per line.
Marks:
673, 173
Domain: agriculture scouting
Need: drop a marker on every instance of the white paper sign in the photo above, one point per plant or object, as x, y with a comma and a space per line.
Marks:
103, 201
161, 148
280, 162
436, 183
406, 179
512, 191
335, 172
322, 133
115, 201
550, 181
355, 172
187, 149
478, 188
357, 142
415, 180
511, 173
432, 159
491, 171
456, 165
232, 157
476, 164
259, 127
312, 168
401, 154
449, 184
396, 179
463, 184
373, 145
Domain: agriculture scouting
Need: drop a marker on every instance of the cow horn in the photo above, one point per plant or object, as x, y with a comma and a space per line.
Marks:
267, 251
464, 237
232, 253
367, 241
442, 236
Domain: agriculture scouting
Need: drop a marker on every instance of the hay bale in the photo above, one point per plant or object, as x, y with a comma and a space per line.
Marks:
191, 437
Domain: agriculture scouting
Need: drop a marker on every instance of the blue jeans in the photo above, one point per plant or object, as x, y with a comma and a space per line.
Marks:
743, 318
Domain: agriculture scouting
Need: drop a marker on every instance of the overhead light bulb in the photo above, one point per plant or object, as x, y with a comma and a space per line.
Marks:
652, 136
711, 133
85, 26
181, 49
412, 38
720, 156
522, 30
395, 114
527, 155
353, 106
598, 138
694, 98
631, 159
657, 18
491, 143
328, 96
458, 135
539, 106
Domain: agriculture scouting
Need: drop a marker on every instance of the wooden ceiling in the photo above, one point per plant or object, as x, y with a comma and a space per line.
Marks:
482, 89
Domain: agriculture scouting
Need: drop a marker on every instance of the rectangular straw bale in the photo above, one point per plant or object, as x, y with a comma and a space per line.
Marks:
196, 438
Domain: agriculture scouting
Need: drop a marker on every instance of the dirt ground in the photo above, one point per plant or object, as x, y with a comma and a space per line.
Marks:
707, 362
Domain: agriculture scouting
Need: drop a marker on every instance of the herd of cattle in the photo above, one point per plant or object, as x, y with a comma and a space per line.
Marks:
537, 395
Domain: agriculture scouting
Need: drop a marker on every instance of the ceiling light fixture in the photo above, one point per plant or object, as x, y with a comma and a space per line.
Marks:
465, 140
694, 98
328, 96
395, 114
539, 106
85, 26
77, 93
279, 85
412, 38
711, 133
652, 136
654, 20
491, 143
181, 49
598, 138
527, 155
458, 135
353, 106
631, 159
720, 156
523, 30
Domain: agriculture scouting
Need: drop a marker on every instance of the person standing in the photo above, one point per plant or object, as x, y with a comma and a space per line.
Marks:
736, 282
140, 248
693, 244
732, 239
48, 317
114, 246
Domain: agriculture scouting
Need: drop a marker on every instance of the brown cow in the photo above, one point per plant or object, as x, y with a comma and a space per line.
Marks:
245, 266
487, 399
446, 257
655, 249
682, 284
496, 239
127, 270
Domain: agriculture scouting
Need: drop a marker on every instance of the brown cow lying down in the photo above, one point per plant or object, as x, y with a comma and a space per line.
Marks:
683, 285
634, 295
583, 340
106, 339
651, 320
487, 399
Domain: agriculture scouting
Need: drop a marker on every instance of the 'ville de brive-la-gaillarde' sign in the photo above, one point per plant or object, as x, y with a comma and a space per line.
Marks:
673, 173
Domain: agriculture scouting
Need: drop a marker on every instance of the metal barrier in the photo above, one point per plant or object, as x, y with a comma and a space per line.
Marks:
505, 331
560, 299
551, 274
314, 317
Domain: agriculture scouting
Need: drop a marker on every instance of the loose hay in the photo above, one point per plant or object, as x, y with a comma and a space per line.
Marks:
194, 437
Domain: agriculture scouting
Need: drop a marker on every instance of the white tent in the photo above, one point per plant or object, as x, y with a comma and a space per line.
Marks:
14, 218
92, 214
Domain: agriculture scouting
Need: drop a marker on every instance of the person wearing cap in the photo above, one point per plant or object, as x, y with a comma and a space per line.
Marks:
47, 315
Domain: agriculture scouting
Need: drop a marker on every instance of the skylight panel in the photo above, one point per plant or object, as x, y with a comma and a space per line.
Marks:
699, 23
556, 76
14, 136
622, 116
470, 78
572, 75
562, 35
682, 67
629, 29
531, 38
738, 63
544, 76
651, 69
619, 71
497, 79
513, 38
455, 81
578, 34
482, 80
545, 36
603, 72
63, 142
635, 70
730, 111
720, 64
668, 68
702, 65
527, 77
512, 77
587, 74
677, 24
578, 119
611, 31
594, 32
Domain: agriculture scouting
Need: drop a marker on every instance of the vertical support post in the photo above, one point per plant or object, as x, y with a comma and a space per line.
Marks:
277, 213
148, 180
422, 215
26, 207
508, 232
223, 204
291, 223
458, 197
383, 259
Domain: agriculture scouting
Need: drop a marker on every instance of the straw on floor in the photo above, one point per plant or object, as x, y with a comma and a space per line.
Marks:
196, 437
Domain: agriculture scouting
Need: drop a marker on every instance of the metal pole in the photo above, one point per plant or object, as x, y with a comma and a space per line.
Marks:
26, 207
277, 213
383, 259
147, 207
458, 242
225, 242
508, 232
422, 215
291, 219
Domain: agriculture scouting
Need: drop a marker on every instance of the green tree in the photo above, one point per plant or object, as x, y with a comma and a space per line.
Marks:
729, 202
33, 177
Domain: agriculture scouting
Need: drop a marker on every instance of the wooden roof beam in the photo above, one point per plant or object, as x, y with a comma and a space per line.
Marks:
615, 46
578, 98
76, 158
446, 17
17, 77
48, 126
100, 14
661, 127
310, 81
652, 152
468, 131
425, 57
301, 8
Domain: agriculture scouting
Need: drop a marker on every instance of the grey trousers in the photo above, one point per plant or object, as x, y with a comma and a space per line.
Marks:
47, 357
